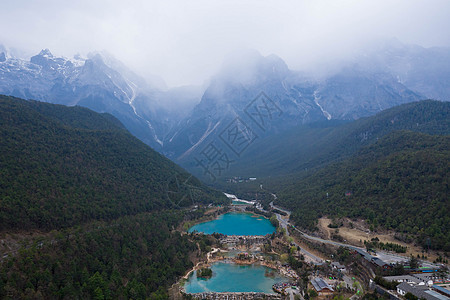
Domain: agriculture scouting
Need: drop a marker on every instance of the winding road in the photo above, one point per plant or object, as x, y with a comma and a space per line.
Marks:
284, 224
386, 256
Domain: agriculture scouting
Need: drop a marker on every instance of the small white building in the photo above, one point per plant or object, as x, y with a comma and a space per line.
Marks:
338, 266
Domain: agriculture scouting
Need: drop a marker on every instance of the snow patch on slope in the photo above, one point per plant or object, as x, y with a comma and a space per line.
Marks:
204, 136
316, 100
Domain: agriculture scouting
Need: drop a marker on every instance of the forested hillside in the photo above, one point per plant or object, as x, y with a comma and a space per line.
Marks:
400, 182
98, 202
61, 167
133, 257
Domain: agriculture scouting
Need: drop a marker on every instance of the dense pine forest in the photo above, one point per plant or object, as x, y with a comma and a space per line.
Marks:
133, 257
63, 166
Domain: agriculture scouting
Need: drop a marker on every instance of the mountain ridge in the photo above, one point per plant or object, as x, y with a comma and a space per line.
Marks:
176, 121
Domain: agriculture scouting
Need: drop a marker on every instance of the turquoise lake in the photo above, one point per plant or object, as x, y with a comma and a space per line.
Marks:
236, 224
229, 277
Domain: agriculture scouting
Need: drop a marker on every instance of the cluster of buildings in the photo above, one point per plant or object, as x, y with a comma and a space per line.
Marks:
234, 240
423, 286
422, 283
422, 292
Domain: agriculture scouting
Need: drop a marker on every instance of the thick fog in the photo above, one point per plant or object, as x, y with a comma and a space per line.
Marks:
185, 42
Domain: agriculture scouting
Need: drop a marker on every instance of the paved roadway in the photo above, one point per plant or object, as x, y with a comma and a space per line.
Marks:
285, 225
310, 237
385, 256
302, 250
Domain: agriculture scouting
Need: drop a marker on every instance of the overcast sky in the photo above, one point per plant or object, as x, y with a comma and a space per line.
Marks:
185, 41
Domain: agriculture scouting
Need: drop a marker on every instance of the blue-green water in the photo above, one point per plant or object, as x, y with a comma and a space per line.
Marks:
229, 277
236, 224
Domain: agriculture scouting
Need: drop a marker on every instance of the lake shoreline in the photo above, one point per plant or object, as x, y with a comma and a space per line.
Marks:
259, 267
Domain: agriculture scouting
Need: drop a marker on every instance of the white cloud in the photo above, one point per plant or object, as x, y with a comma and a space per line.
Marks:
185, 41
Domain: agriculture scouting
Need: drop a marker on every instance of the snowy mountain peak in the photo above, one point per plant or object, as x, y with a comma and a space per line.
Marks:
46, 59
97, 58
361, 87
3, 53
46, 53
78, 60
249, 67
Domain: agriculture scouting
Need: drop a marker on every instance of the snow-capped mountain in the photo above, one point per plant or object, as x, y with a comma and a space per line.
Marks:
353, 93
269, 98
255, 94
423, 70
98, 82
